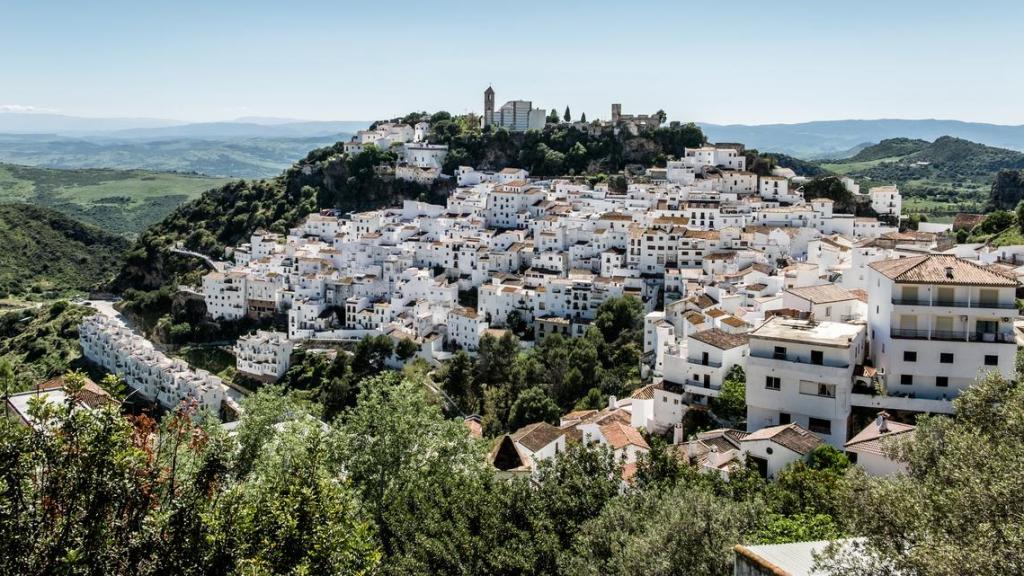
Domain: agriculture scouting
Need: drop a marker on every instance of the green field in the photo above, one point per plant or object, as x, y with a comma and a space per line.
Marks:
119, 201
848, 167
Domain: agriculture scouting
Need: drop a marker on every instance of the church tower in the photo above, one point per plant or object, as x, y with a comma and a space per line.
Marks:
488, 106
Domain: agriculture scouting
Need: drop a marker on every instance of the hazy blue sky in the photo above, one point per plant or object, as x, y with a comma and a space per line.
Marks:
727, 62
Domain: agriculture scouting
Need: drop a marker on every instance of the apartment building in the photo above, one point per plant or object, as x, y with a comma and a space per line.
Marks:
802, 371
934, 322
110, 344
263, 355
709, 356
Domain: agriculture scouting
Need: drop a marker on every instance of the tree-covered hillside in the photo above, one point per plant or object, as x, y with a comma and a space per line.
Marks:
45, 252
40, 342
944, 177
890, 148
561, 149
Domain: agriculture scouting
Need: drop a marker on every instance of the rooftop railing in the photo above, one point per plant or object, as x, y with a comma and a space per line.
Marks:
953, 303
953, 335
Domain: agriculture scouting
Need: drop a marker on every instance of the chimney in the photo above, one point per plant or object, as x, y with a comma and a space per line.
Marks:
949, 272
677, 434
882, 421
612, 402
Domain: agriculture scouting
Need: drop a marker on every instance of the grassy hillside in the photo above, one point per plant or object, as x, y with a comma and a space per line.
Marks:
943, 177
118, 201
41, 342
48, 252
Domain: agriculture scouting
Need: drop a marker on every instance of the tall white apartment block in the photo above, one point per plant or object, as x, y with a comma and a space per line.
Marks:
935, 321
264, 355
225, 295
109, 343
886, 200
802, 371
710, 355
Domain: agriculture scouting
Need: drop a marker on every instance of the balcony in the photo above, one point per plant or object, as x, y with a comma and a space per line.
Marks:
954, 303
700, 389
798, 360
699, 362
954, 336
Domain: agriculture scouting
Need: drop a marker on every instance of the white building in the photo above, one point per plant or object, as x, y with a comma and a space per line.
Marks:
225, 295
868, 448
886, 200
263, 355
826, 302
710, 355
936, 321
423, 155
773, 448
801, 372
514, 115
109, 343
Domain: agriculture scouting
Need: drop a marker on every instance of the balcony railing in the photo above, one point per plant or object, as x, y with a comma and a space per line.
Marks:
798, 360
700, 362
953, 303
953, 335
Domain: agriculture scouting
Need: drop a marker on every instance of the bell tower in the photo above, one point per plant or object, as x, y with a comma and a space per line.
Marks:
488, 106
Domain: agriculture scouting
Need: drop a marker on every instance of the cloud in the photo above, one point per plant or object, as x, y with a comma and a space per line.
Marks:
20, 108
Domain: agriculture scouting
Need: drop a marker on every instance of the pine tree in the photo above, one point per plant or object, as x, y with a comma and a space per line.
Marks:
568, 116
583, 117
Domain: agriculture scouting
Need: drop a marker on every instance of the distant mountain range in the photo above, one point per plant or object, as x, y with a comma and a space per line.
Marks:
844, 138
151, 129
251, 147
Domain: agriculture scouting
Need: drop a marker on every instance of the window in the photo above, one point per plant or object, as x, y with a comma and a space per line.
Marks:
773, 383
780, 353
942, 381
946, 358
991, 360
819, 426
909, 356
817, 357
784, 418
906, 379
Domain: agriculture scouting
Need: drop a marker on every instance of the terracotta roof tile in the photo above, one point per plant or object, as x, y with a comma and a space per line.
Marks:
720, 339
620, 435
823, 294
537, 436
940, 269
792, 436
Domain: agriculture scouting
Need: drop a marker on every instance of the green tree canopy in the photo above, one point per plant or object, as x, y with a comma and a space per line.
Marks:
533, 405
958, 510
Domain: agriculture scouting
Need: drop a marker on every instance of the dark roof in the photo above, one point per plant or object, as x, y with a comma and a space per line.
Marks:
823, 293
880, 430
720, 339
91, 394
536, 436
505, 456
791, 436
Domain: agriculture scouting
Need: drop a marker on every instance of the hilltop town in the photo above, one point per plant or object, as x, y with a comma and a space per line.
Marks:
832, 328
